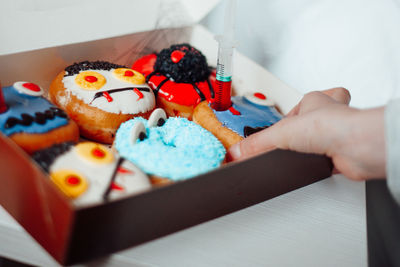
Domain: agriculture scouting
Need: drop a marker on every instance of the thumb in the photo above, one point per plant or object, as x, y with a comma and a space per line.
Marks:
268, 139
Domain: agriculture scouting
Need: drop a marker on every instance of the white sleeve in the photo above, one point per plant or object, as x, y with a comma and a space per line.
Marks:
392, 135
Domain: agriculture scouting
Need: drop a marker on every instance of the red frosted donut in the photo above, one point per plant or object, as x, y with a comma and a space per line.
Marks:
180, 77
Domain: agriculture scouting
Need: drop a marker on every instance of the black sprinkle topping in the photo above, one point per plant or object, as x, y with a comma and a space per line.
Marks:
39, 117
250, 130
47, 156
90, 65
191, 68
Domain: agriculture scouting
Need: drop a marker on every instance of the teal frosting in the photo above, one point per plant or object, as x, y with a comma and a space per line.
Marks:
178, 150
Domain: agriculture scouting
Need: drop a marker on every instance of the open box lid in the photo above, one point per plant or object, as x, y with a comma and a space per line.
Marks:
34, 24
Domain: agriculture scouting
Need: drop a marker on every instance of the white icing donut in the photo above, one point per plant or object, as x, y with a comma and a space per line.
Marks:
97, 174
125, 102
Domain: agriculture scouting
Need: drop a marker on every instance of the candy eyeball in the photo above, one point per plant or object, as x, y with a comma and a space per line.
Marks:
259, 99
138, 132
157, 118
28, 88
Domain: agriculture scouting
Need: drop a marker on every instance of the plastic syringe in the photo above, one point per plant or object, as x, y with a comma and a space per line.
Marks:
223, 86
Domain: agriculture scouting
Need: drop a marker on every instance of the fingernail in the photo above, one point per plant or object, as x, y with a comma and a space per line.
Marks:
235, 152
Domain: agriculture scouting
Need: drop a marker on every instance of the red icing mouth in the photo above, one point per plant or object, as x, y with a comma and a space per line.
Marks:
179, 93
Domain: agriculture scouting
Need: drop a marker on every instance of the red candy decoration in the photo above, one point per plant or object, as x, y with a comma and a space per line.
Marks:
73, 180
107, 96
129, 73
260, 96
98, 153
90, 79
177, 55
31, 86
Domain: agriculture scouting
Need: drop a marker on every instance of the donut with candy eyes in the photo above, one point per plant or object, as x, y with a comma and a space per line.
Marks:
90, 173
180, 78
100, 95
30, 120
168, 149
248, 114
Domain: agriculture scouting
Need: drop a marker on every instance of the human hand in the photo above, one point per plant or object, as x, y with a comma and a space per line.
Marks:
323, 123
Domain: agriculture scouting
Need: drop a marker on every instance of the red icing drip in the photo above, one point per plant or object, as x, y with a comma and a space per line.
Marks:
98, 153
179, 93
176, 112
140, 94
129, 73
107, 96
123, 170
3, 105
116, 186
90, 79
260, 96
234, 111
73, 180
31, 86
177, 55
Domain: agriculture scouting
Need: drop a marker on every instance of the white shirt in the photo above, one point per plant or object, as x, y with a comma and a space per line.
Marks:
392, 135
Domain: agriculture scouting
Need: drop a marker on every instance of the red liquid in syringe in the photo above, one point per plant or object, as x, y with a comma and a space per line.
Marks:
222, 100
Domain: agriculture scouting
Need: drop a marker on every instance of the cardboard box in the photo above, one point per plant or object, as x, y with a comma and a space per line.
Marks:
74, 235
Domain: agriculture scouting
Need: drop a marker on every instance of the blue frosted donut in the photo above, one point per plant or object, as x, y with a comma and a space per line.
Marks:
177, 150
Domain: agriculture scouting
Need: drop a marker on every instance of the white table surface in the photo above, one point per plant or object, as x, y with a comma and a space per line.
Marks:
323, 224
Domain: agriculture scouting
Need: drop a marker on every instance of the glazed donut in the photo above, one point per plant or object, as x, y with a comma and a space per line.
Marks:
99, 96
174, 149
180, 78
89, 173
31, 121
247, 115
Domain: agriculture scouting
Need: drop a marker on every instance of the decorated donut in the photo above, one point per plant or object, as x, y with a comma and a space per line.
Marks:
99, 96
170, 149
247, 115
89, 173
30, 120
180, 78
